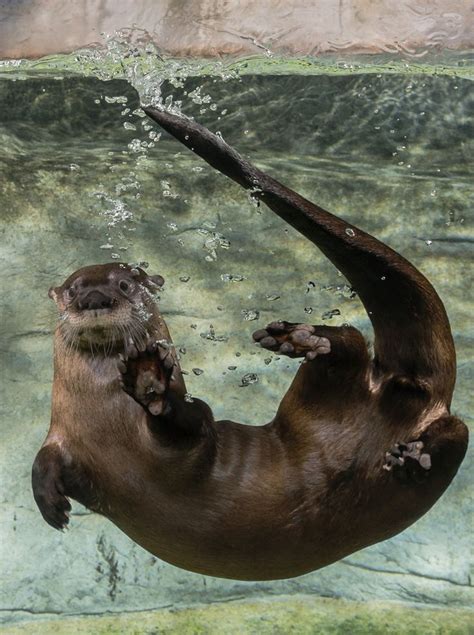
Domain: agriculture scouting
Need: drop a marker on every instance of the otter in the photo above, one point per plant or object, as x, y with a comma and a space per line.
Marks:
360, 446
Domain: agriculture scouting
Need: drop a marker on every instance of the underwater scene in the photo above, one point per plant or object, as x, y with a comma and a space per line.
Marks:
86, 177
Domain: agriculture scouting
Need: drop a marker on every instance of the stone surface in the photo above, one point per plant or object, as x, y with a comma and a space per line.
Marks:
33, 28
289, 615
389, 153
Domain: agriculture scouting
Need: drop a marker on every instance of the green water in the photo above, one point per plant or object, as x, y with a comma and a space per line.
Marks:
389, 151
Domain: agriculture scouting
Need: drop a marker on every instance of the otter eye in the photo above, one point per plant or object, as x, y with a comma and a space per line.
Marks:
124, 286
71, 292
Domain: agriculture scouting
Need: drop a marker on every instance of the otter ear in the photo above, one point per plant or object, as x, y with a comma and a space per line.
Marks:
53, 293
156, 281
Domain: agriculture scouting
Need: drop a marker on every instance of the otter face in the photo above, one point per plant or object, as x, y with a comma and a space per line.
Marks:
106, 304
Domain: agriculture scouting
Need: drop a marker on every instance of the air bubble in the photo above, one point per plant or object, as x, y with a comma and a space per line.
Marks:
142, 264
211, 335
328, 315
229, 277
249, 378
250, 314
116, 100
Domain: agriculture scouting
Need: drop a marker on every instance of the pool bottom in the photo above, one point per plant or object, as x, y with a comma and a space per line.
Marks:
302, 615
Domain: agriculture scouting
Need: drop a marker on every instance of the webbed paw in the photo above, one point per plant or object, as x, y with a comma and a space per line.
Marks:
408, 462
293, 340
146, 374
48, 492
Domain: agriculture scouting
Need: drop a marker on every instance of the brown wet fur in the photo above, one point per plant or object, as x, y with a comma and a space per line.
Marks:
322, 479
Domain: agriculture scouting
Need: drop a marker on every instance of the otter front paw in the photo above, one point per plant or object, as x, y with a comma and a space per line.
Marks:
293, 340
146, 374
408, 462
48, 489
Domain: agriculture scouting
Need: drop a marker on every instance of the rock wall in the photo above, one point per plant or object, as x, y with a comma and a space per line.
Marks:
34, 28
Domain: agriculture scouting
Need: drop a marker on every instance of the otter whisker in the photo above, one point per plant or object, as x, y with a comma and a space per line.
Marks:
69, 334
137, 332
110, 344
123, 335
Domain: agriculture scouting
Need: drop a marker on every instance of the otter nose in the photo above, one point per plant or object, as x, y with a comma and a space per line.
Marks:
93, 301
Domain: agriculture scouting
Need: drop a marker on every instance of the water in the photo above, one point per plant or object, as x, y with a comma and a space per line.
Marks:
86, 178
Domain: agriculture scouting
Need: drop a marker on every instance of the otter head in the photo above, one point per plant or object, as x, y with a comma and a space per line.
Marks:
106, 305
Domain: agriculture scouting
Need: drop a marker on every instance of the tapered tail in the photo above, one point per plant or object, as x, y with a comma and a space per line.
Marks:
412, 332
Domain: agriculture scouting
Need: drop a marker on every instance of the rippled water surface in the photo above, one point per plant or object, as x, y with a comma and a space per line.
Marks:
85, 178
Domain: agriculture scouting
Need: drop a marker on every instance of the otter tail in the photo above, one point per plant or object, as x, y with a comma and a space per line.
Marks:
412, 334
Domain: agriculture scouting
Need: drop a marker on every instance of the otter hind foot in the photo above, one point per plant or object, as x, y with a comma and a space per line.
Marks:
293, 340
408, 461
146, 374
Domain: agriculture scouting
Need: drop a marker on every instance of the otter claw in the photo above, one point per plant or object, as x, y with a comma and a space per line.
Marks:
122, 366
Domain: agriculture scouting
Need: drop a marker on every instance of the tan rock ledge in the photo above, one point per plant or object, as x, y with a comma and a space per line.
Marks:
207, 28
303, 615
